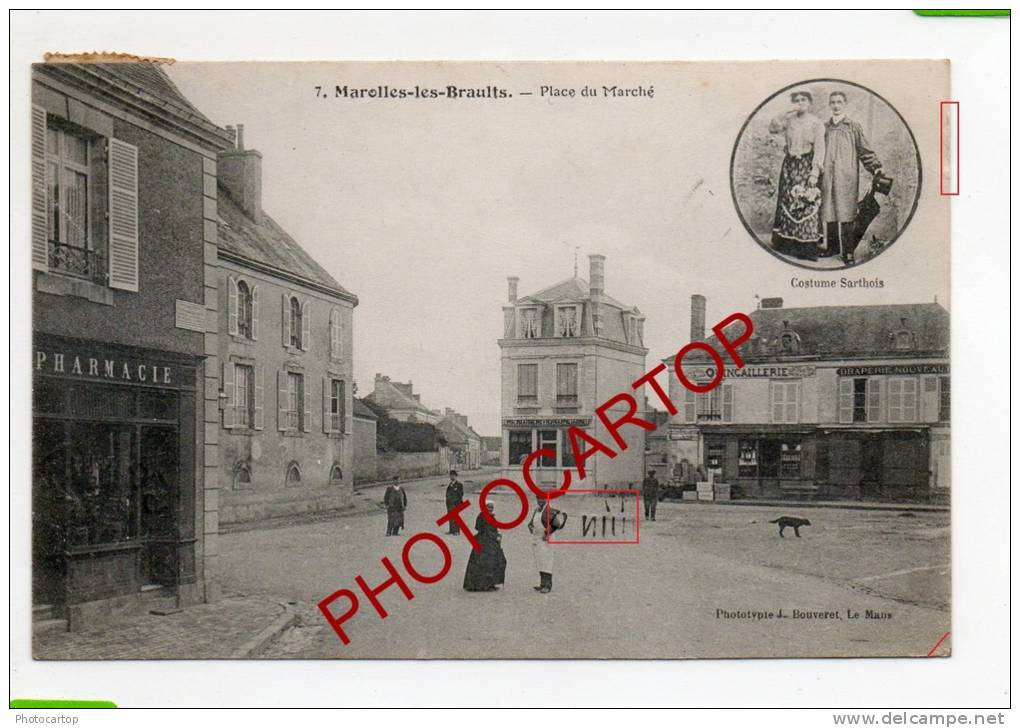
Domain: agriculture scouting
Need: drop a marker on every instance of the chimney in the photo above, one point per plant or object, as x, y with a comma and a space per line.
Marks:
596, 287
511, 284
239, 170
697, 317
596, 275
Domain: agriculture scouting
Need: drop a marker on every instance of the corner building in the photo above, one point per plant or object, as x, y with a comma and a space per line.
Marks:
565, 351
124, 407
833, 402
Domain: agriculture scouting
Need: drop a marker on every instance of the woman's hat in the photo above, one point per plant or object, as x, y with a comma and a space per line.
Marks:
795, 94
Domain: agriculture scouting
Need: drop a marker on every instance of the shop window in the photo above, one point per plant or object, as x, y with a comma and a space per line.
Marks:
944, 399
520, 446
566, 384
336, 475
529, 324
789, 460
155, 404
902, 399
567, 454
527, 383
547, 440
714, 455
785, 402
747, 459
567, 321
242, 476
293, 475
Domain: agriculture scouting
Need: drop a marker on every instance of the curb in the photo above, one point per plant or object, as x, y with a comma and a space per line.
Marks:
279, 625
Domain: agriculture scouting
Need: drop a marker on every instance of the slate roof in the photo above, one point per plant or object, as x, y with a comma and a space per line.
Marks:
842, 331
363, 410
269, 244
395, 399
571, 289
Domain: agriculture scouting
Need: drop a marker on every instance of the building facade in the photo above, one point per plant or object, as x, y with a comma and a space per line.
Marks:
286, 353
565, 351
125, 506
834, 402
366, 467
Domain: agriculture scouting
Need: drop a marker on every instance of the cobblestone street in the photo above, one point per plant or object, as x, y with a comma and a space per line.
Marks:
656, 599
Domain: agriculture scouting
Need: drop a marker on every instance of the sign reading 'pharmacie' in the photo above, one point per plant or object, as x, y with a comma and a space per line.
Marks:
94, 366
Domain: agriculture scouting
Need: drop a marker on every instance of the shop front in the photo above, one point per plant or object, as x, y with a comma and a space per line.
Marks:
114, 472
777, 462
524, 435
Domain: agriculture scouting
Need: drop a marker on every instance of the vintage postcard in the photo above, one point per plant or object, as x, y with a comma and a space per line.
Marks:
488, 360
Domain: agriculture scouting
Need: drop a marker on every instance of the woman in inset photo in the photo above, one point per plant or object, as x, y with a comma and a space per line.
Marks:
797, 229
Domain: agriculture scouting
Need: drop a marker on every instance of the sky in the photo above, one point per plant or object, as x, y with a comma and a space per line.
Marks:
422, 208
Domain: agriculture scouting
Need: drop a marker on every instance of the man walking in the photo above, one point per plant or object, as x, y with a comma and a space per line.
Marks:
395, 500
846, 151
454, 496
650, 494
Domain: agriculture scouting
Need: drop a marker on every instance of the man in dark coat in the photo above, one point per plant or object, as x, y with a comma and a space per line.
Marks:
454, 496
650, 494
395, 500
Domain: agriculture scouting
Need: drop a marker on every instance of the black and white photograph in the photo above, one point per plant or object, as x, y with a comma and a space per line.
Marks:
826, 174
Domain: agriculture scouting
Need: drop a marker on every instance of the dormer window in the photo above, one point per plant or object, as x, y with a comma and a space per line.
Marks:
567, 321
903, 339
788, 341
529, 324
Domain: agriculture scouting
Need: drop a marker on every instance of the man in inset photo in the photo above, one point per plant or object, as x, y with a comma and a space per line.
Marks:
846, 150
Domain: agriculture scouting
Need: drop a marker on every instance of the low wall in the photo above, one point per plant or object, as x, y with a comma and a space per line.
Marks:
412, 464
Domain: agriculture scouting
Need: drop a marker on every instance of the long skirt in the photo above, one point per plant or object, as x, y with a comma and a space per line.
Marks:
485, 568
797, 228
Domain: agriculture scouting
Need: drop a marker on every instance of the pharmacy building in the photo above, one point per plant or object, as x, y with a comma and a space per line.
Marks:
124, 300
565, 350
834, 402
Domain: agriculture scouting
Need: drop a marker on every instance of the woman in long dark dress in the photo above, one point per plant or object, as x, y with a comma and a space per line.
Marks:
486, 568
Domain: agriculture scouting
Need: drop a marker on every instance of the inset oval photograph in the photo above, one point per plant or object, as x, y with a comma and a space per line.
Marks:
825, 174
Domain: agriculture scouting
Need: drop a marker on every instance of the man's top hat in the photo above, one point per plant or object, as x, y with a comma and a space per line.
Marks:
453, 473
881, 183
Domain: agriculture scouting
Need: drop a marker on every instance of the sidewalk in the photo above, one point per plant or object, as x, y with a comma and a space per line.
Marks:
234, 627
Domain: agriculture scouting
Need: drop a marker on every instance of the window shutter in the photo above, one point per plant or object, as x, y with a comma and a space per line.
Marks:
846, 399
260, 374
306, 326
282, 391
874, 405
229, 413
40, 235
286, 320
123, 215
792, 402
727, 403
777, 401
690, 406
929, 399
254, 312
327, 421
232, 303
306, 402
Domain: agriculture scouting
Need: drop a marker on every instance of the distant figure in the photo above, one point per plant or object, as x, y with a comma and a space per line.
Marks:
454, 496
395, 500
650, 493
486, 568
